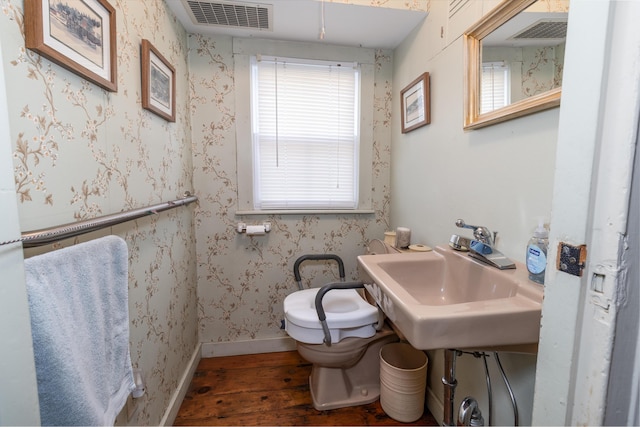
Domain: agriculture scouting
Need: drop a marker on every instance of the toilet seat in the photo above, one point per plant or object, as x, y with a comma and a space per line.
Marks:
348, 315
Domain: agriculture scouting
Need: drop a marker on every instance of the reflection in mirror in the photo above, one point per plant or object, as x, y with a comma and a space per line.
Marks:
514, 61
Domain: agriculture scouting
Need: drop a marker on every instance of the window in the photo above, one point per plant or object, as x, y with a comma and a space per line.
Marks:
494, 90
305, 133
246, 52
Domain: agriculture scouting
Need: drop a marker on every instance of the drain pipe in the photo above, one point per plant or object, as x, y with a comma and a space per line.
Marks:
469, 413
450, 383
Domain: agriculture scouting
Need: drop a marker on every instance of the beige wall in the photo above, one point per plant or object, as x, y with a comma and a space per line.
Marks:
500, 177
79, 152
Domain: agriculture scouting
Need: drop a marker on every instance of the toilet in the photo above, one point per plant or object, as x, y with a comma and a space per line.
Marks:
346, 372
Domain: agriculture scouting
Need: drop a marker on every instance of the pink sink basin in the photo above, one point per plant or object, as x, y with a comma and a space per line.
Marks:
446, 299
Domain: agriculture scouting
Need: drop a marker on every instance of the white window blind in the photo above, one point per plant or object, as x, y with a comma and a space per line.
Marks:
494, 91
305, 127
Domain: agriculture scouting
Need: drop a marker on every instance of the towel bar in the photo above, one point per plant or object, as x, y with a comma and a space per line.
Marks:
32, 239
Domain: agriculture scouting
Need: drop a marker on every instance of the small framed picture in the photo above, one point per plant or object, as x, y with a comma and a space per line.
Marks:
158, 83
414, 104
79, 35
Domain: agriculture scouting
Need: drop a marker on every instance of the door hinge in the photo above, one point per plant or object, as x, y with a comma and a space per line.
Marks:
571, 259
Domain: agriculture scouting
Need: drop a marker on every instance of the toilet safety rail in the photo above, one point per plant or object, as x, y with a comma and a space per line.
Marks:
321, 293
317, 257
326, 288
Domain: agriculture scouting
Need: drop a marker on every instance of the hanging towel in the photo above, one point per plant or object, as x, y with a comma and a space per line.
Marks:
78, 298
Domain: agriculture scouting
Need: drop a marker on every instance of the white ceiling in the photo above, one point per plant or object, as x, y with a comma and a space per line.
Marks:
301, 20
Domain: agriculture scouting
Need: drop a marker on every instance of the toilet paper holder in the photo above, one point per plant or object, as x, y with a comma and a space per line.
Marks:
265, 227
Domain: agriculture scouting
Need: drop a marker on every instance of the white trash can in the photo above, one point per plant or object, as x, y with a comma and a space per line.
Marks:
403, 381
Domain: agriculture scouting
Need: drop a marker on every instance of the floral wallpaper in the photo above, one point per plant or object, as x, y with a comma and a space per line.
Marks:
541, 69
80, 152
243, 280
534, 69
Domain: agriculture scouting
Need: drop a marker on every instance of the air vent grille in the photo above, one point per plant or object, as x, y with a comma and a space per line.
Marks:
230, 14
456, 5
544, 30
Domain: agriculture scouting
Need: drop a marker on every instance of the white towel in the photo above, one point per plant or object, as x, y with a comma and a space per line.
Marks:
80, 326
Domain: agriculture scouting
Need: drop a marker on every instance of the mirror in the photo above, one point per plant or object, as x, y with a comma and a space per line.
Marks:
514, 59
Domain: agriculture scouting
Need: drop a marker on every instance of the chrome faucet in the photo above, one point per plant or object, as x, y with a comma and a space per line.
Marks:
482, 248
480, 233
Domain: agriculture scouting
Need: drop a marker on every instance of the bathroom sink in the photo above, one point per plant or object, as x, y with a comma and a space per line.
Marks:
446, 299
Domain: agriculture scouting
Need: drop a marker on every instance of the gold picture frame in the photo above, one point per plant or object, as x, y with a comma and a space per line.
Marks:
472, 45
77, 35
158, 83
415, 107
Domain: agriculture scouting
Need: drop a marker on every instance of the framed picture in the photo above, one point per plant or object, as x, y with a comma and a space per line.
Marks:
414, 104
79, 35
158, 83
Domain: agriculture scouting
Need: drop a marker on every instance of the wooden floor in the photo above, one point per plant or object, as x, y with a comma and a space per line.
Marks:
267, 389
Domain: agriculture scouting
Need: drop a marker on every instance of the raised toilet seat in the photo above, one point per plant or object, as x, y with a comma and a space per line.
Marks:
346, 371
348, 315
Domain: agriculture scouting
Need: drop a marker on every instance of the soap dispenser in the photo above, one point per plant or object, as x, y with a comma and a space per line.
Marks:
537, 253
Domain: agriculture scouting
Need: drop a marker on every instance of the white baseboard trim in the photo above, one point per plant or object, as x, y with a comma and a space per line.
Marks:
435, 406
235, 348
183, 386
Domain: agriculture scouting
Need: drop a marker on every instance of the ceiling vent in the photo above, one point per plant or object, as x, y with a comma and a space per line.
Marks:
545, 29
231, 14
456, 5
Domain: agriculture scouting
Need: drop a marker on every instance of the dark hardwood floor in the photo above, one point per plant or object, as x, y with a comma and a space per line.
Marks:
267, 389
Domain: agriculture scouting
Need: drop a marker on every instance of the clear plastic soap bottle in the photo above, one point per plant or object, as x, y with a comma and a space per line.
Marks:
537, 253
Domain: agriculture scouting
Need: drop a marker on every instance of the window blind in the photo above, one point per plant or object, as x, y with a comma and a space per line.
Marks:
494, 91
305, 134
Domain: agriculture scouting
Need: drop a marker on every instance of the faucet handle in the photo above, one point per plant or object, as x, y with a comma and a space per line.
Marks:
461, 224
479, 232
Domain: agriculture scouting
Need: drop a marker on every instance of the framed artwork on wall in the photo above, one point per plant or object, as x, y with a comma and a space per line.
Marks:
414, 104
79, 35
158, 83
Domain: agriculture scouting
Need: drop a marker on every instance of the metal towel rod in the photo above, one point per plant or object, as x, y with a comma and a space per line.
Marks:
32, 239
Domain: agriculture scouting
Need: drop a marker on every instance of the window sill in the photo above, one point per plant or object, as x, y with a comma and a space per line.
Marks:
308, 212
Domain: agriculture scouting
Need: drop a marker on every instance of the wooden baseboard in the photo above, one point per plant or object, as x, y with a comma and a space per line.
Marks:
235, 348
183, 386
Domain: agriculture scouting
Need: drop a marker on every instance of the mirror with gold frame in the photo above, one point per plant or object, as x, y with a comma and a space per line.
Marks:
514, 58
